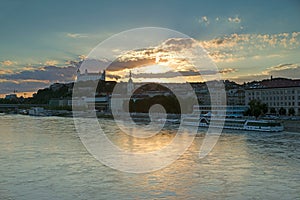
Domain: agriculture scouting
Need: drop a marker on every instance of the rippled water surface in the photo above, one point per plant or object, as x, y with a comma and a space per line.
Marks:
43, 158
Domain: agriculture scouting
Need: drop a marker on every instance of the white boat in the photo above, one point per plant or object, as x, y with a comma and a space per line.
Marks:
199, 119
37, 111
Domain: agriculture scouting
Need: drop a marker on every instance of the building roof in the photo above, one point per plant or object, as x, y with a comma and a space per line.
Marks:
276, 83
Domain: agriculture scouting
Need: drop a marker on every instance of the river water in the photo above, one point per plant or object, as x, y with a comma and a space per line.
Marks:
43, 158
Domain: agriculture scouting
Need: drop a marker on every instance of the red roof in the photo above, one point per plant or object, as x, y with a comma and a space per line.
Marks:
280, 82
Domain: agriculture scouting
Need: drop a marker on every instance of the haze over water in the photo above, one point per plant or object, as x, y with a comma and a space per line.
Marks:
43, 158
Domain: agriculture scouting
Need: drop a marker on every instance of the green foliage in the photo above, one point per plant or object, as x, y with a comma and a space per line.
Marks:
282, 111
44, 95
256, 108
291, 111
273, 111
170, 103
9, 101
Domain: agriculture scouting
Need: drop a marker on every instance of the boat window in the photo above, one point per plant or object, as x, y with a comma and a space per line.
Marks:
263, 124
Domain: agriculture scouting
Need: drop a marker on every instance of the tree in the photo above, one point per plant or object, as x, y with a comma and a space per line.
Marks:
273, 111
256, 112
282, 111
291, 111
256, 108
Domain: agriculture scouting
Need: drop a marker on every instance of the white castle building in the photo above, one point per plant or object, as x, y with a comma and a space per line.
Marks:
86, 76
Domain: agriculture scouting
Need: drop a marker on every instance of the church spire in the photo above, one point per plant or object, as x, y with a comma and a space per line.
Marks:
130, 86
130, 75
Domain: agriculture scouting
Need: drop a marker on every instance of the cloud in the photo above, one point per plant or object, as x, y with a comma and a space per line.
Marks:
227, 70
254, 41
186, 73
82, 57
118, 65
8, 63
287, 70
237, 47
173, 52
112, 76
5, 71
227, 49
8, 86
235, 19
33, 78
204, 20
168, 74
47, 73
76, 35
51, 62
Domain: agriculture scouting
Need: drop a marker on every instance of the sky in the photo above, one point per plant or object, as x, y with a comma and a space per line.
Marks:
247, 40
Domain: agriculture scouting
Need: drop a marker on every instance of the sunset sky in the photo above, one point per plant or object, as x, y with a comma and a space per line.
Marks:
248, 40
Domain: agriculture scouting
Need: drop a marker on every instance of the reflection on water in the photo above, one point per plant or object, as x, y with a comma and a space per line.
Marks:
43, 158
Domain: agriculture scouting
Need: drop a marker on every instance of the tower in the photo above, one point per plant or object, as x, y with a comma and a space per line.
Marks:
102, 78
130, 86
78, 75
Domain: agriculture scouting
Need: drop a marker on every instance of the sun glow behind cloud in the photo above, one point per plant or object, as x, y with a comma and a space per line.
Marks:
170, 61
234, 48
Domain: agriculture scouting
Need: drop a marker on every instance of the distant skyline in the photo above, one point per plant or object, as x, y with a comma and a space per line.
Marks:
247, 40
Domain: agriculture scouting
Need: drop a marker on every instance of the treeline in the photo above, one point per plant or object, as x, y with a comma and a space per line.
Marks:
44, 95
61, 91
257, 108
170, 103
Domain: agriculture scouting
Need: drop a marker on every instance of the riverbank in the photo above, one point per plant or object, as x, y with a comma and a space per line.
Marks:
289, 125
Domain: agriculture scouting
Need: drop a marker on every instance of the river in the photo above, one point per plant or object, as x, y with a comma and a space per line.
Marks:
43, 158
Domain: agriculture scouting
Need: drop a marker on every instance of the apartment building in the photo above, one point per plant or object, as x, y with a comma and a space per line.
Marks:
277, 93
